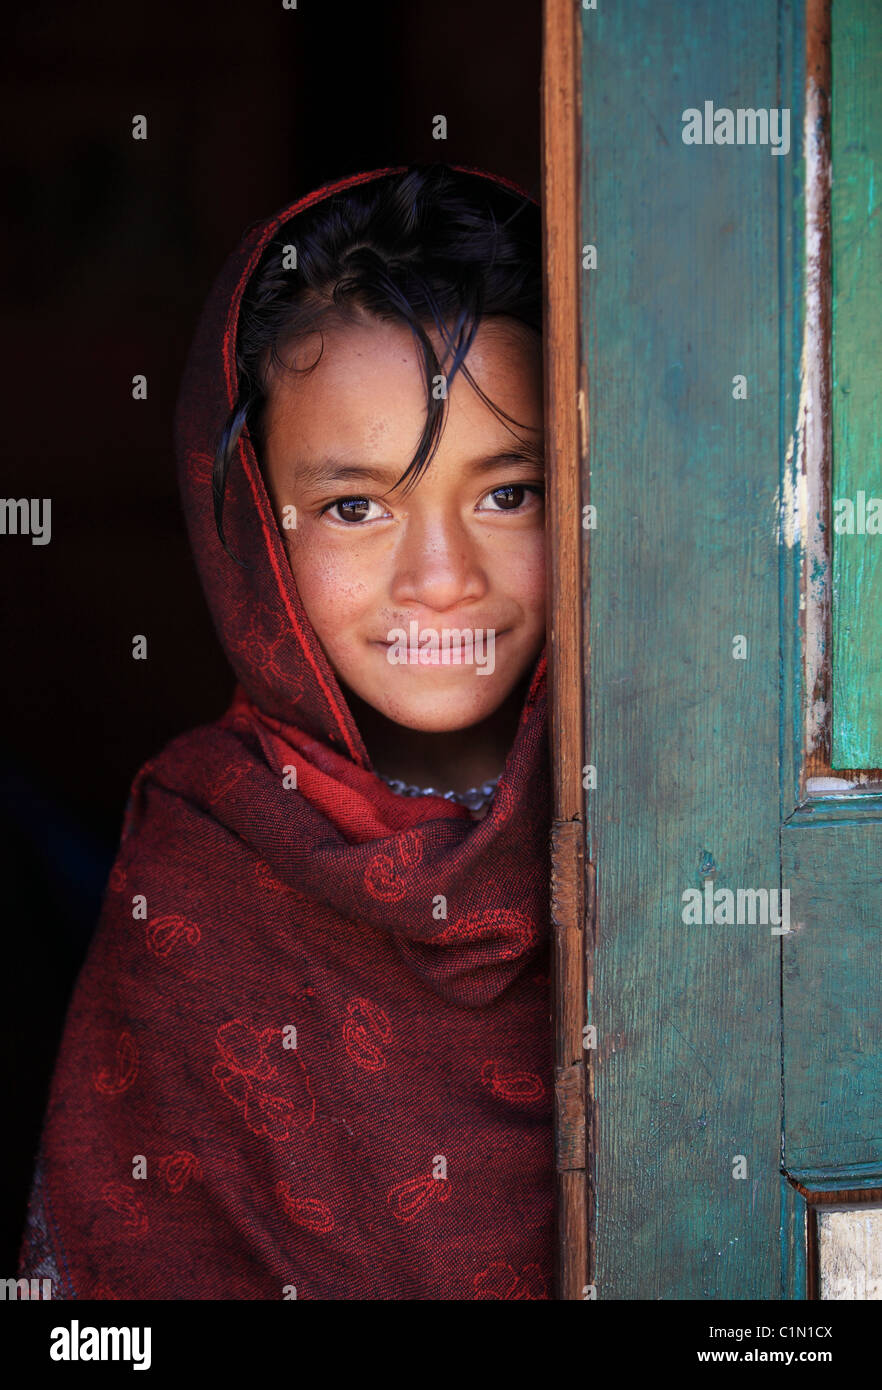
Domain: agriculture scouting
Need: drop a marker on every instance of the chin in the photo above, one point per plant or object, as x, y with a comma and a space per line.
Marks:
434, 723
440, 712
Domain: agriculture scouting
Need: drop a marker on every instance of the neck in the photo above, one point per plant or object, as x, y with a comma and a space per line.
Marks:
455, 761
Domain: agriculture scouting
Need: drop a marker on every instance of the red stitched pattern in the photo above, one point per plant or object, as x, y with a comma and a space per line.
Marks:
267, 1082
122, 1073
262, 639
363, 1031
382, 881
412, 1197
307, 1212
180, 1168
122, 1200
524, 1086
117, 880
501, 1281
267, 879
385, 877
514, 930
224, 784
164, 933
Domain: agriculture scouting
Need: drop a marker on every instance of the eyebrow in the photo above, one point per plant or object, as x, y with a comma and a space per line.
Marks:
335, 470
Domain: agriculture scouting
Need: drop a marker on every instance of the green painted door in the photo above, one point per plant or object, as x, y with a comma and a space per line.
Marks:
737, 971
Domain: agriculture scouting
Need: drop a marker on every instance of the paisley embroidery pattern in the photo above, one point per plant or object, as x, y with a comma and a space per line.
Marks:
180, 1168
412, 1197
275, 1096
308, 1212
129, 1207
523, 1086
117, 1078
502, 1281
366, 1028
164, 933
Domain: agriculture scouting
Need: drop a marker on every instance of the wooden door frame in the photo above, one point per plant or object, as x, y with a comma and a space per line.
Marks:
572, 898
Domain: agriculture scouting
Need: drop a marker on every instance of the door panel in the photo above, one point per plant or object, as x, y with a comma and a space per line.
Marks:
683, 700
831, 990
732, 905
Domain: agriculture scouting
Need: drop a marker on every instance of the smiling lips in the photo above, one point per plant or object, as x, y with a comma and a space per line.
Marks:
452, 627
472, 647
465, 644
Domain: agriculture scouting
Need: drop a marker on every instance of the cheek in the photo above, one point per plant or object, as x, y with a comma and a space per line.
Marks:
333, 582
520, 572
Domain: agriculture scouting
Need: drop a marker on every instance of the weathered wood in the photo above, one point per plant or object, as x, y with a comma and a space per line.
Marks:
687, 294
794, 1247
810, 448
832, 989
560, 133
801, 1208
567, 871
569, 1090
567, 916
849, 1252
857, 373
811, 452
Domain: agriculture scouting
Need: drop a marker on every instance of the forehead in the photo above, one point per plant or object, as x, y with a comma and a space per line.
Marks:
368, 387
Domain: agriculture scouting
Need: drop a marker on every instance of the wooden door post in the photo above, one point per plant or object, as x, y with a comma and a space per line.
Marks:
561, 135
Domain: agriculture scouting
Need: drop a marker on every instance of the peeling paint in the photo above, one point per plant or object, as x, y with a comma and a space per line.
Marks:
790, 495
825, 786
850, 1254
813, 431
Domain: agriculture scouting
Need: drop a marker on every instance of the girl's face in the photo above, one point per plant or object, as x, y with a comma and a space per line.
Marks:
461, 553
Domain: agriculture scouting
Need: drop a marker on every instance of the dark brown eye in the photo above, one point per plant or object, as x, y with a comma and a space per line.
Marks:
508, 497
353, 508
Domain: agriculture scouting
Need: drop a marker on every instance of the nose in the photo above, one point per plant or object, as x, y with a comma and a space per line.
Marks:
437, 564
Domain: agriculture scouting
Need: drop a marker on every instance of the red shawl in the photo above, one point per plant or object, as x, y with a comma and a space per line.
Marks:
282, 1068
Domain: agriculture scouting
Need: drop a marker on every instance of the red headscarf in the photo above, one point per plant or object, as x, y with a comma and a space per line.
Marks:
284, 1067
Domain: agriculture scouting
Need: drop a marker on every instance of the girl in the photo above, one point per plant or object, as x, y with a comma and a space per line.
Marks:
309, 1052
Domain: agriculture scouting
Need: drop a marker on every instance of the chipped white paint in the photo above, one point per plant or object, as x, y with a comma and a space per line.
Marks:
829, 786
799, 500
826, 786
850, 1253
791, 497
813, 431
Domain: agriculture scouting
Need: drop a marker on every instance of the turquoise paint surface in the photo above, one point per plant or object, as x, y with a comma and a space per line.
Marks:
713, 1040
684, 560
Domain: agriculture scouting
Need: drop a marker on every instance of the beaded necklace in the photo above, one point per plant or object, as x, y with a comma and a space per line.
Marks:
475, 798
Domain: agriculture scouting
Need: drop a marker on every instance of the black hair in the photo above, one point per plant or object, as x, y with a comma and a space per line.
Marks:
430, 245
